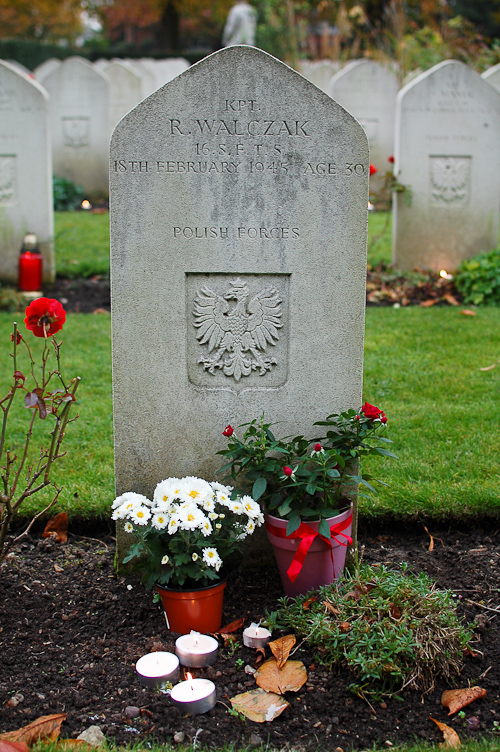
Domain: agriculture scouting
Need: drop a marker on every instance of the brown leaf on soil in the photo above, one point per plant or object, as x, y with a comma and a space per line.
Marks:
308, 602
427, 303
13, 746
281, 649
45, 727
258, 705
260, 657
331, 608
345, 626
451, 299
468, 312
431, 544
456, 699
395, 611
234, 626
360, 589
290, 678
59, 526
451, 738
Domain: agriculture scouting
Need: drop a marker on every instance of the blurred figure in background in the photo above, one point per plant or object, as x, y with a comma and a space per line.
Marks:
240, 25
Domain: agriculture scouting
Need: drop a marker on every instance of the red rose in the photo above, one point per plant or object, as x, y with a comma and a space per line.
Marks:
287, 471
373, 413
318, 447
45, 317
228, 431
390, 159
373, 169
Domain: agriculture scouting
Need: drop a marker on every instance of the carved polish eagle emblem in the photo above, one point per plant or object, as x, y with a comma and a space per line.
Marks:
237, 335
450, 177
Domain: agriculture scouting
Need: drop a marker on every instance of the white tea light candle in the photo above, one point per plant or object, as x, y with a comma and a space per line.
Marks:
155, 669
255, 636
194, 696
196, 650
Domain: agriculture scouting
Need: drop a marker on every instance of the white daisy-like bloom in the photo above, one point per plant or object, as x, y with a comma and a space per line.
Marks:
250, 527
160, 521
222, 516
221, 487
131, 498
197, 490
223, 498
213, 516
206, 527
195, 557
211, 557
218, 565
128, 527
140, 515
242, 535
165, 559
190, 517
167, 491
259, 520
173, 525
236, 507
218, 526
250, 506
209, 504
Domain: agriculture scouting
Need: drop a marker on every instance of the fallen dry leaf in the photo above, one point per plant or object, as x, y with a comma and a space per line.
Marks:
468, 312
258, 705
456, 699
306, 605
281, 648
395, 611
234, 626
345, 627
488, 368
13, 746
427, 303
59, 526
451, 738
45, 727
290, 678
331, 608
260, 656
431, 544
451, 299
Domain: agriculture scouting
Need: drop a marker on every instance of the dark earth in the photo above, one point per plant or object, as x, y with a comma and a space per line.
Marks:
71, 631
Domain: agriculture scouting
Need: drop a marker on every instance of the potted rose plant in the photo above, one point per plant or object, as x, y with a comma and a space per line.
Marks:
309, 488
181, 540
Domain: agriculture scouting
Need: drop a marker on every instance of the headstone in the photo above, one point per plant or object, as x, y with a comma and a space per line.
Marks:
125, 90
368, 91
238, 204
79, 116
492, 76
44, 69
448, 153
25, 171
148, 78
321, 73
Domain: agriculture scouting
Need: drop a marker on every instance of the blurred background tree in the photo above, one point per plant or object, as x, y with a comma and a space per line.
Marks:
41, 20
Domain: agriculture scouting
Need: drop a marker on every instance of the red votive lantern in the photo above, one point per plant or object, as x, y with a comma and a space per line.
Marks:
30, 265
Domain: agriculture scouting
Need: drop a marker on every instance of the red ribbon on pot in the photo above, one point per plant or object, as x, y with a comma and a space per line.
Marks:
307, 536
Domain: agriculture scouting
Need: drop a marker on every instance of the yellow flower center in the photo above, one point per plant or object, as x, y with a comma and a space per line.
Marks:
190, 517
194, 494
140, 514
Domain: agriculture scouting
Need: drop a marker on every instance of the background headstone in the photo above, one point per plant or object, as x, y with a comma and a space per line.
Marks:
492, 76
237, 186
321, 73
448, 153
79, 117
48, 66
125, 90
25, 171
368, 91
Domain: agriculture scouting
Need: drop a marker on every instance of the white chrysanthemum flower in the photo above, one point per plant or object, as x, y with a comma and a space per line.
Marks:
165, 559
236, 507
250, 506
160, 521
206, 527
223, 497
211, 557
191, 517
222, 516
209, 504
250, 527
218, 526
218, 565
197, 490
195, 557
128, 527
213, 516
131, 498
221, 487
242, 535
140, 515
173, 525
259, 520
167, 491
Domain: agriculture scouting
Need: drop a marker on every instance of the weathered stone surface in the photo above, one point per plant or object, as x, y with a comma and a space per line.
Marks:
448, 153
25, 171
79, 117
368, 91
125, 87
238, 260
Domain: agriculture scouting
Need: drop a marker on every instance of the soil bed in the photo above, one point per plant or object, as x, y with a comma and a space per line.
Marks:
71, 632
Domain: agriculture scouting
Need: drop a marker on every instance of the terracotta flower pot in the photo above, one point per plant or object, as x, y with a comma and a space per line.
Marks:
307, 561
200, 609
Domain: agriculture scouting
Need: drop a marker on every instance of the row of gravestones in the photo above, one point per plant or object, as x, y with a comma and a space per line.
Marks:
447, 151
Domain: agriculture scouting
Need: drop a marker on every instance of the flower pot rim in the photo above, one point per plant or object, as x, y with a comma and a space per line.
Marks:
221, 581
312, 521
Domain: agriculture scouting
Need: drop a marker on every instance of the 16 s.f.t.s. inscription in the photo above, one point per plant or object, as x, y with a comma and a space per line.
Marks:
237, 337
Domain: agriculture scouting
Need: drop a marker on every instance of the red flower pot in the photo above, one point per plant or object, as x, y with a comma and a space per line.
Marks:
200, 609
322, 562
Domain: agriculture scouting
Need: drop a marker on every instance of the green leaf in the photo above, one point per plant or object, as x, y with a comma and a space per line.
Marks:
293, 524
384, 452
324, 528
311, 489
258, 488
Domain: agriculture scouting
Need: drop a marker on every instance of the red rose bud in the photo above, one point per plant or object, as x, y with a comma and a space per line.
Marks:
228, 431
287, 471
383, 417
390, 159
373, 169
19, 376
372, 413
318, 447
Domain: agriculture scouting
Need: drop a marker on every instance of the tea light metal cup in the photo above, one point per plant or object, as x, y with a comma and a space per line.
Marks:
155, 669
256, 637
196, 650
194, 696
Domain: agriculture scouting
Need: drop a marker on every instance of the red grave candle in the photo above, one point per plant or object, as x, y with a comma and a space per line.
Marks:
30, 265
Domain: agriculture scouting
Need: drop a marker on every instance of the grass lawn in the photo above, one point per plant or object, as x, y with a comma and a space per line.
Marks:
422, 366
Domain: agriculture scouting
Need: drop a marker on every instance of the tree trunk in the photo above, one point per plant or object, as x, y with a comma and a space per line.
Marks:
167, 36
